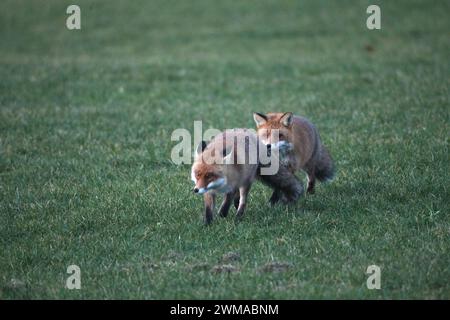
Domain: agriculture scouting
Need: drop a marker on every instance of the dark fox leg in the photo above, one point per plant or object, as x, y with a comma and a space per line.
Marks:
276, 196
209, 200
293, 191
311, 169
285, 184
225, 207
243, 192
311, 182
321, 168
236, 200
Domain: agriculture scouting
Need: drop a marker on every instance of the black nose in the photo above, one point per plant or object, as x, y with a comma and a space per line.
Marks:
195, 190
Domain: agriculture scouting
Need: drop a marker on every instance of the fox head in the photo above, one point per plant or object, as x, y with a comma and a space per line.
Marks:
208, 175
275, 129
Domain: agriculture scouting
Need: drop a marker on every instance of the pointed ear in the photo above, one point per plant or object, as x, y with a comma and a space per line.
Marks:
259, 118
227, 155
201, 146
286, 119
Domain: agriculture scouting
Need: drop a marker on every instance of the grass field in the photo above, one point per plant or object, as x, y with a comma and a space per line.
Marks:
86, 176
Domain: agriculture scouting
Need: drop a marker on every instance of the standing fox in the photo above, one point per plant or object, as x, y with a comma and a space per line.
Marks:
299, 142
229, 164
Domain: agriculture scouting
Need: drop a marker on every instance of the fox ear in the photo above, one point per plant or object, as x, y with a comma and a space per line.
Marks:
201, 146
259, 118
286, 119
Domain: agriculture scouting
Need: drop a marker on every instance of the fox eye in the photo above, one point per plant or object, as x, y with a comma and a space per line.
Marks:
209, 175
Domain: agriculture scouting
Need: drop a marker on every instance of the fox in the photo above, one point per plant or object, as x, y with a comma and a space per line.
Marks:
300, 146
229, 164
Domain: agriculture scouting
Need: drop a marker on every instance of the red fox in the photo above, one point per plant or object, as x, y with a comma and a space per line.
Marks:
229, 164
299, 143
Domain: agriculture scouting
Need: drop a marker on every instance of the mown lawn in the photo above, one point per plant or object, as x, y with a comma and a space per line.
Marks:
86, 176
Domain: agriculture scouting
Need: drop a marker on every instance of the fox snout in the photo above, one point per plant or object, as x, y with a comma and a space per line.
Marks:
282, 145
217, 185
199, 190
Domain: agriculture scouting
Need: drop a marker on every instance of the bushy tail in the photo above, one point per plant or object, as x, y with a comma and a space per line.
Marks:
325, 169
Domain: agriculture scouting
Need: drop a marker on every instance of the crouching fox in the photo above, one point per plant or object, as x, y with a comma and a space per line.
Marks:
299, 143
230, 163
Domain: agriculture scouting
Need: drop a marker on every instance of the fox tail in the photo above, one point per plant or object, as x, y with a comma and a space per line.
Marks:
325, 168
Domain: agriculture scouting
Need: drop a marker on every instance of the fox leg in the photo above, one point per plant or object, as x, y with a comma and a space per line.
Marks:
243, 192
276, 195
311, 183
236, 200
209, 200
310, 169
286, 186
227, 199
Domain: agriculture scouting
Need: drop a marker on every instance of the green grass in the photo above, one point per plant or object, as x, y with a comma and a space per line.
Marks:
85, 170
